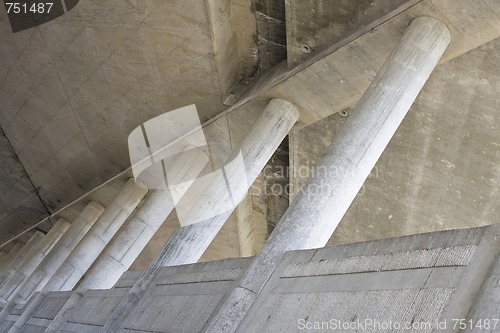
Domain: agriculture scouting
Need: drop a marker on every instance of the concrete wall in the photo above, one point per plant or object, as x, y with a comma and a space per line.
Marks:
422, 279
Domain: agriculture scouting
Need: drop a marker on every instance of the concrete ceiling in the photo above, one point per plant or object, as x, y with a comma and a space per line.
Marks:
72, 90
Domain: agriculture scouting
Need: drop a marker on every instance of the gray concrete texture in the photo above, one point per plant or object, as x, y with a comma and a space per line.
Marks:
334, 83
106, 96
314, 25
420, 279
16, 189
336, 78
72, 90
441, 169
33, 259
315, 213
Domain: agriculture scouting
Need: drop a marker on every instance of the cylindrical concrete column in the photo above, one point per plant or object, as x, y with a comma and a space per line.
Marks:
131, 239
49, 265
86, 252
129, 242
188, 243
318, 208
33, 258
18, 259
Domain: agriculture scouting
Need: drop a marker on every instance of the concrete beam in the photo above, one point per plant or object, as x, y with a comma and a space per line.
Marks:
318, 208
188, 244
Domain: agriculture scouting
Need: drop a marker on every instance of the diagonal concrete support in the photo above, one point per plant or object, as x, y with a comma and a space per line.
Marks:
130, 240
19, 257
315, 213
33, 258
86, 252
49, 265
188, 243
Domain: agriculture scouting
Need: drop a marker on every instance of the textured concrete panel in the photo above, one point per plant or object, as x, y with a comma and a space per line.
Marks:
51, 305
440, 257
285, 312
181, 314
426, 278
486, 310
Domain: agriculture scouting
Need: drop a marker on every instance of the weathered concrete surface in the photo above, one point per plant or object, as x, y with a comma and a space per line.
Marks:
244, 223
61, 251
332, 82
417, 278
138, 230
314, 25
33, 258
9, 257
216, 203
440, 171
316, 211
486, 308
271, 33
88, 249
18, 257
246, 31
16, 190
72, 89
51, 263
225, 45
473, 23
225, 244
